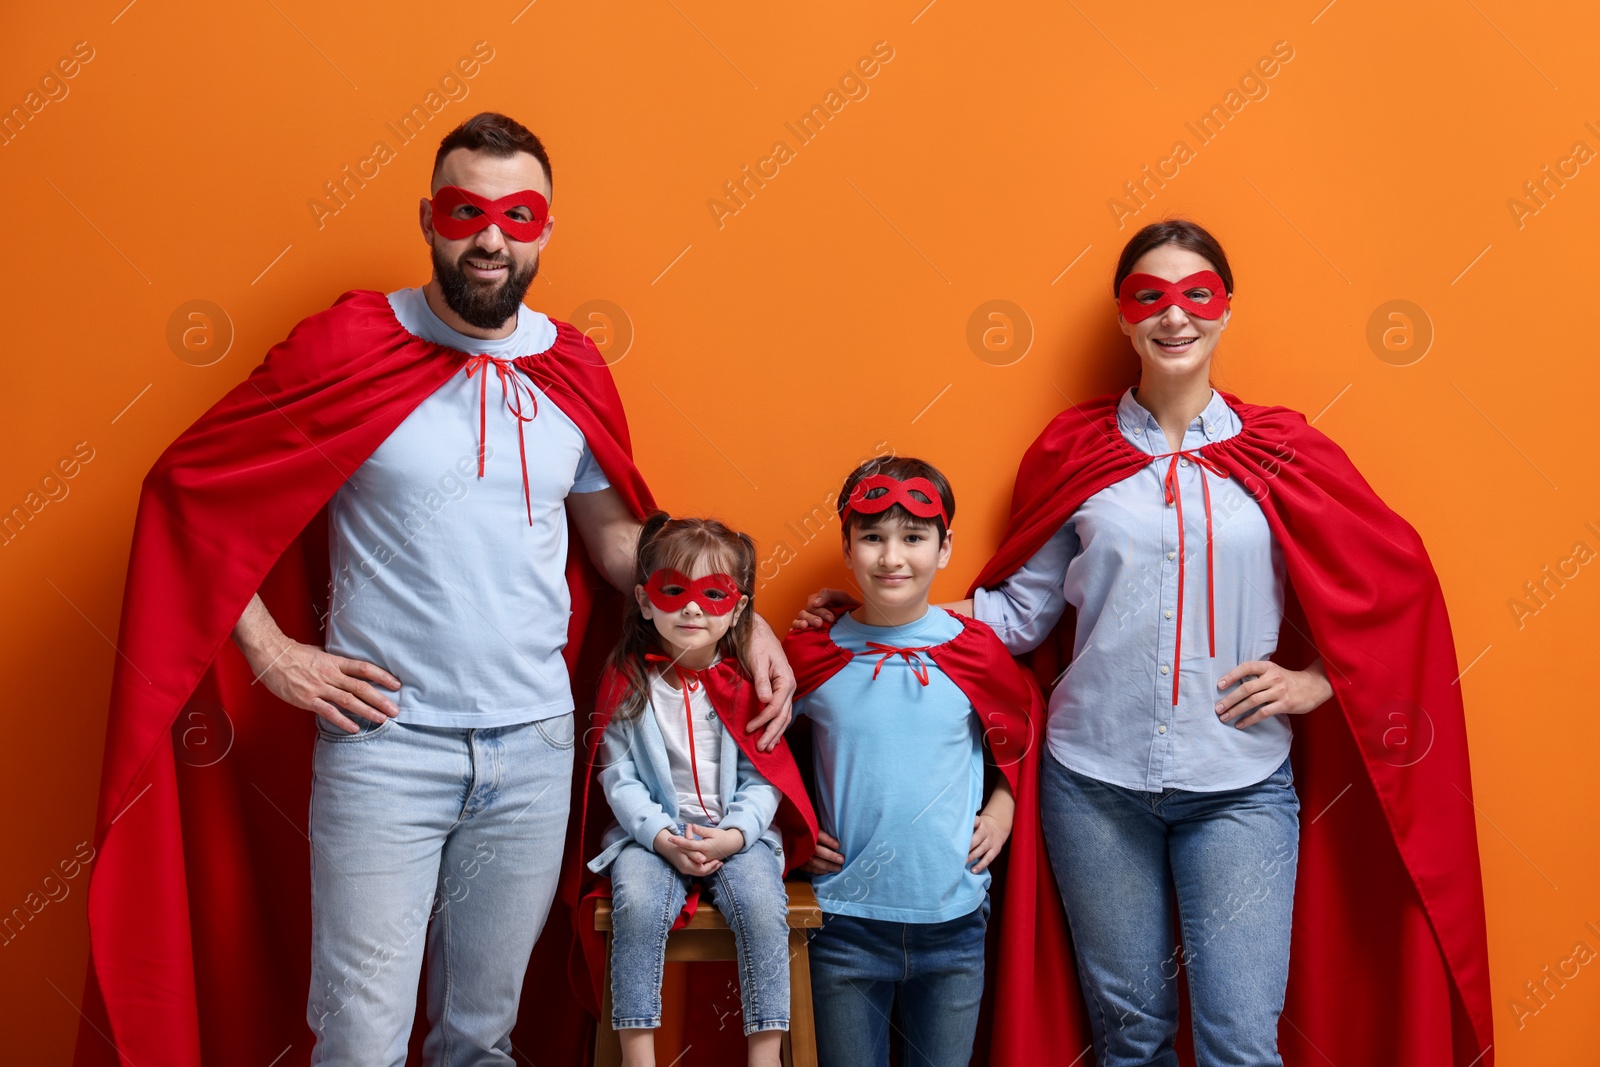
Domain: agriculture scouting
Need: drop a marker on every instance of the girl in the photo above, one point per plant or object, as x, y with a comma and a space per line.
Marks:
695, 801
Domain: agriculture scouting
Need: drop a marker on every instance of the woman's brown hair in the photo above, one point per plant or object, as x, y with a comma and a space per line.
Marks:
680, 544
1180, 232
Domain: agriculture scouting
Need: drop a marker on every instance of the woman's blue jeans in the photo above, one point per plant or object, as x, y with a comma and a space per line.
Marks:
1123, 858
647, 893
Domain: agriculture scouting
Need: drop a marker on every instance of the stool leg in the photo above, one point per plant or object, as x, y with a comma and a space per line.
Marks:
802, 1025
607, 1048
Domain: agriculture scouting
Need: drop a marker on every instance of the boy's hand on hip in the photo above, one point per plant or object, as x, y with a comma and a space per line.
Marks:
827, 859
989, 833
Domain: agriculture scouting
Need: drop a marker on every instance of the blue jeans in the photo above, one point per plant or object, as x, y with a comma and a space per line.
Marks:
412, 823
929, 975
647, 893
1119, 854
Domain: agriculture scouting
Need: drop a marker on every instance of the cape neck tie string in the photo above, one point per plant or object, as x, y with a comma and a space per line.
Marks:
512, 388
689, 679
910, 655
1175, 497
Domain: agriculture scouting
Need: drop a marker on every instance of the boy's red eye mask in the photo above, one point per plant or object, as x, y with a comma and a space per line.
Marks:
1173, 293
670, 590
450, 197
898, 493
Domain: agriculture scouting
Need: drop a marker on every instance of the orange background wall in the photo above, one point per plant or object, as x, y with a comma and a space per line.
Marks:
828, 318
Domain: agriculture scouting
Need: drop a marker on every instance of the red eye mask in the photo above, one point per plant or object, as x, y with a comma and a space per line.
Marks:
1172, 293
898, 493
700, 590
450, 197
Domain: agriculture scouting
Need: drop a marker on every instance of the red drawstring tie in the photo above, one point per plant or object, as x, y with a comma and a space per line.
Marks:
1173, 496
690, 679
910, 655
513, 399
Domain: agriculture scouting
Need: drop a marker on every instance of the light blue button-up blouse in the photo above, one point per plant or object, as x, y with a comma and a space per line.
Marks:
1112, 715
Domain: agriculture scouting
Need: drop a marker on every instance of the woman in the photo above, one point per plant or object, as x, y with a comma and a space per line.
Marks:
1163, 544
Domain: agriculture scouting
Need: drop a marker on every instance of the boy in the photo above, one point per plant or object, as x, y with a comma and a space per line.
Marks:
901, 697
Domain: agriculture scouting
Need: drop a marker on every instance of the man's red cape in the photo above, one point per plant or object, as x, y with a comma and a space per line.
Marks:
736, 703
1029, 986
199, 903
1389, 963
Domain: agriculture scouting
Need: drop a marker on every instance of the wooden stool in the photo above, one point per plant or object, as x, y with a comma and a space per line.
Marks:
707, 937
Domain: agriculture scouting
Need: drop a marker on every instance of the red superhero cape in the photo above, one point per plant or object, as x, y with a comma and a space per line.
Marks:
199, 903
1030, 1013
1389, 963
736, 703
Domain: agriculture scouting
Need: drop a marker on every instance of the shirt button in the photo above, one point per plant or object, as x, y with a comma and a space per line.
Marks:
1169, 503
1161, 729
1183, 463
1172, 555
1138, 431
1163, 668
1168, 614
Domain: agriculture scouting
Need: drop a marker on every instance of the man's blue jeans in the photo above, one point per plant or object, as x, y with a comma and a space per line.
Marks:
412, 823
923, 979
1119, 854
647, 893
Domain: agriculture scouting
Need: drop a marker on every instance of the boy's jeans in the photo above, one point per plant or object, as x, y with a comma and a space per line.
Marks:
929, 975
408, 822
647, 893
1231, 855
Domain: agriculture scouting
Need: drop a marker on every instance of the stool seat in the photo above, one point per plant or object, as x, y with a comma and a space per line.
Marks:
707, 937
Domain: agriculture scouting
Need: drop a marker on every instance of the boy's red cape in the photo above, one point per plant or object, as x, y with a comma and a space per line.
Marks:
199, 902
736, 703
1029, 1011
1389, 964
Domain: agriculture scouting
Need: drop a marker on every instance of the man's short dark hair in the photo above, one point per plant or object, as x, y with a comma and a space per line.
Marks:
900, 468
496, 134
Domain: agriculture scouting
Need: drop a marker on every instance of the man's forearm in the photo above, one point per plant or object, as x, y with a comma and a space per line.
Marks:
257, 633
621, 555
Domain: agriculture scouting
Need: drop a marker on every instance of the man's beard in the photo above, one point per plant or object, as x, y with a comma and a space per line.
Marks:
483, 306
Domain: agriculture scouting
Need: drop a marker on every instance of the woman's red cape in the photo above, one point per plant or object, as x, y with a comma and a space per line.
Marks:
1389, 962
1029, 1014
199, 899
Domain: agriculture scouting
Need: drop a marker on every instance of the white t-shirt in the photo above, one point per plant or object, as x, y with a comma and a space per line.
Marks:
666, 701
437, 575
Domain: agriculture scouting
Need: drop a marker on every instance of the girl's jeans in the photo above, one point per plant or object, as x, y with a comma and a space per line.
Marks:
647, 893
1118, 854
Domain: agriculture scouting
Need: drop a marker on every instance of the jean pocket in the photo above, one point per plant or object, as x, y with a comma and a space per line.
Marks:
559, 731
326, 731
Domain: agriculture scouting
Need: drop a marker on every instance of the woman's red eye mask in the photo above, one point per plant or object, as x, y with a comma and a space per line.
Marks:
1135, 310
670, 590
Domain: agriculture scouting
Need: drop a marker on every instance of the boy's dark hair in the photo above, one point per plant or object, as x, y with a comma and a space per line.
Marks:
496, 134
900, 468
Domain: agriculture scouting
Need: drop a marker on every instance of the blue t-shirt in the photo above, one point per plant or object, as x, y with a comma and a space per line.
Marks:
437, 575
899, 777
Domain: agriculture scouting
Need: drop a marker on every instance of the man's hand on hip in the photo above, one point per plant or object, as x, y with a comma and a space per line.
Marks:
311, 678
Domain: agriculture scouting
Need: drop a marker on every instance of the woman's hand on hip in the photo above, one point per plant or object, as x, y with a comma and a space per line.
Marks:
1268, 689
